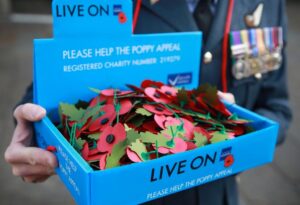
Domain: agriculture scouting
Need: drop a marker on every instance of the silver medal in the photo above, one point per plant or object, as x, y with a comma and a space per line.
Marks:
241, 69
256, 65
277, 57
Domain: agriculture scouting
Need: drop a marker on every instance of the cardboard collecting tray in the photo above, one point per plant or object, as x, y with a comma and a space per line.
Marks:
81, 55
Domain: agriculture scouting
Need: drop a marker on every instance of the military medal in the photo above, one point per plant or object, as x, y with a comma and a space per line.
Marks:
241, 69
268, 59
278, 43
256, 51
262, 50
239, 51
254, 61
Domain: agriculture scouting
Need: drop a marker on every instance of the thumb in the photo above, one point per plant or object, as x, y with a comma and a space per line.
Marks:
26, 114
29, 113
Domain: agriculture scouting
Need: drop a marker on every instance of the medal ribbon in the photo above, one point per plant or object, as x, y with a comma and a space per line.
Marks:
260, 42
280, 36
245, 38
253, 42
267, 38
239, 47
236, 38
275, 37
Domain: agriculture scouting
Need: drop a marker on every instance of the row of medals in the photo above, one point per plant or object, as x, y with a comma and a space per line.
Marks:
246, 64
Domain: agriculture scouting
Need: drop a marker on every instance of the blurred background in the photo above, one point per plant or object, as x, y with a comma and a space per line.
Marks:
277, 183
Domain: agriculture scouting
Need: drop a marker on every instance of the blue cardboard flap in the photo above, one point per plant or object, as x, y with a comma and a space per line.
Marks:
101, 52
92, 19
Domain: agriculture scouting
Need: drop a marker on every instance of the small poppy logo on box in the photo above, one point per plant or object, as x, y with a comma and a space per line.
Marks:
180, 79
227, 157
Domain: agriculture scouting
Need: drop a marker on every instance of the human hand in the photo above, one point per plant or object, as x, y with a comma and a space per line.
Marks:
229, 97
31, 163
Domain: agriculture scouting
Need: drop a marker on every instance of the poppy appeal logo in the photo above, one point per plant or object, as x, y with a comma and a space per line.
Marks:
180, 79
227, 157
117, 9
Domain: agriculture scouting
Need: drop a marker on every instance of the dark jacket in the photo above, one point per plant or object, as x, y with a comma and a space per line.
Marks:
267, 96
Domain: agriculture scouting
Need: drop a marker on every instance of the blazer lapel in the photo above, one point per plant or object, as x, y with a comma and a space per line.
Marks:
216, 32
174, 12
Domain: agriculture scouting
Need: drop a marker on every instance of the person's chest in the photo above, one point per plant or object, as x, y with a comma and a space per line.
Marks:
164, 17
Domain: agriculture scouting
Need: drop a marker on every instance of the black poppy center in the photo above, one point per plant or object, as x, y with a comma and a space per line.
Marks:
168, 93
104, 121
159, 109
110, 138
157, 95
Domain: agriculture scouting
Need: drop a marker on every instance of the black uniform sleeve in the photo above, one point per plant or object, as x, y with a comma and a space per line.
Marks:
28, 96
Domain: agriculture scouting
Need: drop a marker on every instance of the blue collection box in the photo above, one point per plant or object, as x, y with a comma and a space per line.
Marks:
93, 46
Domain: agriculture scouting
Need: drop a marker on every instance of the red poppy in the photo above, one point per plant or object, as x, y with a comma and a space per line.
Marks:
51, 148
100, 99
150, 83
126, 106
122, 17
179, 146
188, 126
191, 145
218, 106
113, 92
102, 161
170, 121
164, 122
109, 92
84, 128
135, 89
237, 129
200, 107
229, 160
94, 151
157, 109
125, 103
163, 150
157, 96
132, 155
85, 151
231, 135
169, 91
110, 137
105, 120
94, 101
160, 120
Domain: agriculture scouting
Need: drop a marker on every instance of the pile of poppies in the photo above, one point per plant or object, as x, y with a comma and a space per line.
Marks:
122, 127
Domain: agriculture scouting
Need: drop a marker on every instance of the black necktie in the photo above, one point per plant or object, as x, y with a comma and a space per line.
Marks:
203, 16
